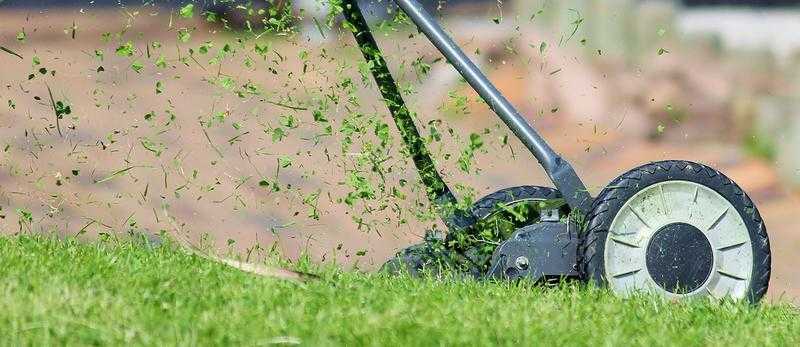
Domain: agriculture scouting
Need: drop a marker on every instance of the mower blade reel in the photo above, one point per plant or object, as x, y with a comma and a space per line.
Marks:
541, 252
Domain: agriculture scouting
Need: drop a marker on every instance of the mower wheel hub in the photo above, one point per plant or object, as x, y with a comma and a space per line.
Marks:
679, 258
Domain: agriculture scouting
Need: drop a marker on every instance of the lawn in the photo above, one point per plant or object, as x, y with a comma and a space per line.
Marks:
115, 292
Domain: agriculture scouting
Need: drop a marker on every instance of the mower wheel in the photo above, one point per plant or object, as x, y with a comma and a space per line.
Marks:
677, 229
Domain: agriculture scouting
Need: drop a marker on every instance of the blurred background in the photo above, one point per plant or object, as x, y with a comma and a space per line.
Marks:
120, 116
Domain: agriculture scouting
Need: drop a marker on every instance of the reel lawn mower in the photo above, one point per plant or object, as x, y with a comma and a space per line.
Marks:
675, 228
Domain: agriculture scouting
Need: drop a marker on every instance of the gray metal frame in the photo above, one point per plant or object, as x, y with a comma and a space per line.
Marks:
559, 170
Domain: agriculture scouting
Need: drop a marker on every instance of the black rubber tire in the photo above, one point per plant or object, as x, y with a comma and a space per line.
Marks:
414, 259
487, 205
613, 197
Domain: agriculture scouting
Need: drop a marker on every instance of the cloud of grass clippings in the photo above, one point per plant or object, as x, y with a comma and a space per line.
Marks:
242, 122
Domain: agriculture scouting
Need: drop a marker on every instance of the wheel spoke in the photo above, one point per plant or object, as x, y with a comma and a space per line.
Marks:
731, 246
635, 213
719, 219
634, 244
626, 273
730, 275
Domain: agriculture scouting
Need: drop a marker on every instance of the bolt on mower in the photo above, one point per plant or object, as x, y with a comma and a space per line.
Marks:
674, 228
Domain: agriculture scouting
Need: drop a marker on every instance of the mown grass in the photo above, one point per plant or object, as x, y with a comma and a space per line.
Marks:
66, 292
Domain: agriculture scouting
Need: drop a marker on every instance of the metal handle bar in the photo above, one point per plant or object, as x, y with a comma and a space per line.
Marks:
497, 102
560, 171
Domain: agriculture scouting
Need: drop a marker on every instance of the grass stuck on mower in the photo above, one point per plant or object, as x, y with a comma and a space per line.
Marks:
674, 228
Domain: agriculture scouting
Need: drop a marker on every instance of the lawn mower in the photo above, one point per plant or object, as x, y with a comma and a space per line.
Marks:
674, 228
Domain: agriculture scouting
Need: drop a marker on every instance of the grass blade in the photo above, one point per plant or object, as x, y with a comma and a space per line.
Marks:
55, 111
4, 49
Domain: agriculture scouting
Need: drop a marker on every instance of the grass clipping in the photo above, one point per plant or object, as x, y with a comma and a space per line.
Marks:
257, 269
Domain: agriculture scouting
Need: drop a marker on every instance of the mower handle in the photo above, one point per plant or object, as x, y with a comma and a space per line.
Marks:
558, 169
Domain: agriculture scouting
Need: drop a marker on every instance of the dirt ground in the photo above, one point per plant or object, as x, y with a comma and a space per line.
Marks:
115, 168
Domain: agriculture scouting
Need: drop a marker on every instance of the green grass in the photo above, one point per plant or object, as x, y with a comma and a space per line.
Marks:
66, 292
